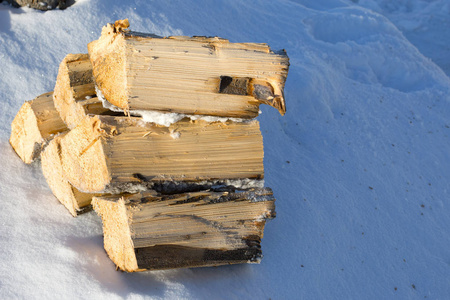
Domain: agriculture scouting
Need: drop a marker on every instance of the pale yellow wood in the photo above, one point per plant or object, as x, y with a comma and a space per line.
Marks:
36, 123
106, 152
180, 74
74, 94
116, 233
206, 228
83, 159
75, 201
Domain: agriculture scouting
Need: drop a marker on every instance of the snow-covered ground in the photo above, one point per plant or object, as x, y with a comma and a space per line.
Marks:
360, 164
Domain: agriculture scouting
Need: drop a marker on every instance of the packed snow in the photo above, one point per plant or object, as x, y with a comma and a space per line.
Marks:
359, 165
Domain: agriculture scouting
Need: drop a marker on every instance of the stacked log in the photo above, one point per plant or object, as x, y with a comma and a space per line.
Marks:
74, 95
200, 75
36, 123
195, 229
159, 136
75, 201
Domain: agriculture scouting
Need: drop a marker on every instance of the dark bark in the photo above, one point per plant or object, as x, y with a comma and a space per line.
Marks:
162, 257
42, 4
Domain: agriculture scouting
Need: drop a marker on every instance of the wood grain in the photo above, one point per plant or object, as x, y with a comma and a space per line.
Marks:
106, 152
74, 94
36, 123
148, 231
136, 71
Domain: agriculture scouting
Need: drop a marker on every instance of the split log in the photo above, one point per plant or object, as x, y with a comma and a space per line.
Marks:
36, 123
150, 232
188, 75
75, 201
109, 154
74, 93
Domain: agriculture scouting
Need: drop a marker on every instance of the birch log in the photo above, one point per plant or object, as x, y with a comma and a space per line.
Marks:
74, 94
150, 232
36, 123
75, 201
189, 75
106, 153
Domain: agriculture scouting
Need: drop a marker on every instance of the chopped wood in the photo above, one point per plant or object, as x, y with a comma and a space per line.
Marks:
184, 191
36, 123
188, 75
147, 231
75, 201
74, 94
106, 153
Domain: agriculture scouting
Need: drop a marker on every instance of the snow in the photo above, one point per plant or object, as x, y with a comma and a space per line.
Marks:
424, 23
359, 164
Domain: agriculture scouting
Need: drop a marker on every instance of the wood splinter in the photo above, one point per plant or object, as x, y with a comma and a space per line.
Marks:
147, 231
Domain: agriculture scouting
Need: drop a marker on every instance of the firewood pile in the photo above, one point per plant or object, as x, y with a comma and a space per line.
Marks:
159, 136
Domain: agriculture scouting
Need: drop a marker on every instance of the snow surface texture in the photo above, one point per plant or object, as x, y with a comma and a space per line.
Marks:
359, 164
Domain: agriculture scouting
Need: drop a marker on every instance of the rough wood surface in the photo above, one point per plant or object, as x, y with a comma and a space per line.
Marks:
42, 4
105, 153
147, 231
189, 75
74, 93
36, 123
75, 201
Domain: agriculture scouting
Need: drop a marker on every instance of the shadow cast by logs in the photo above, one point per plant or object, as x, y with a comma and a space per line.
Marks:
94, 260
5, 18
